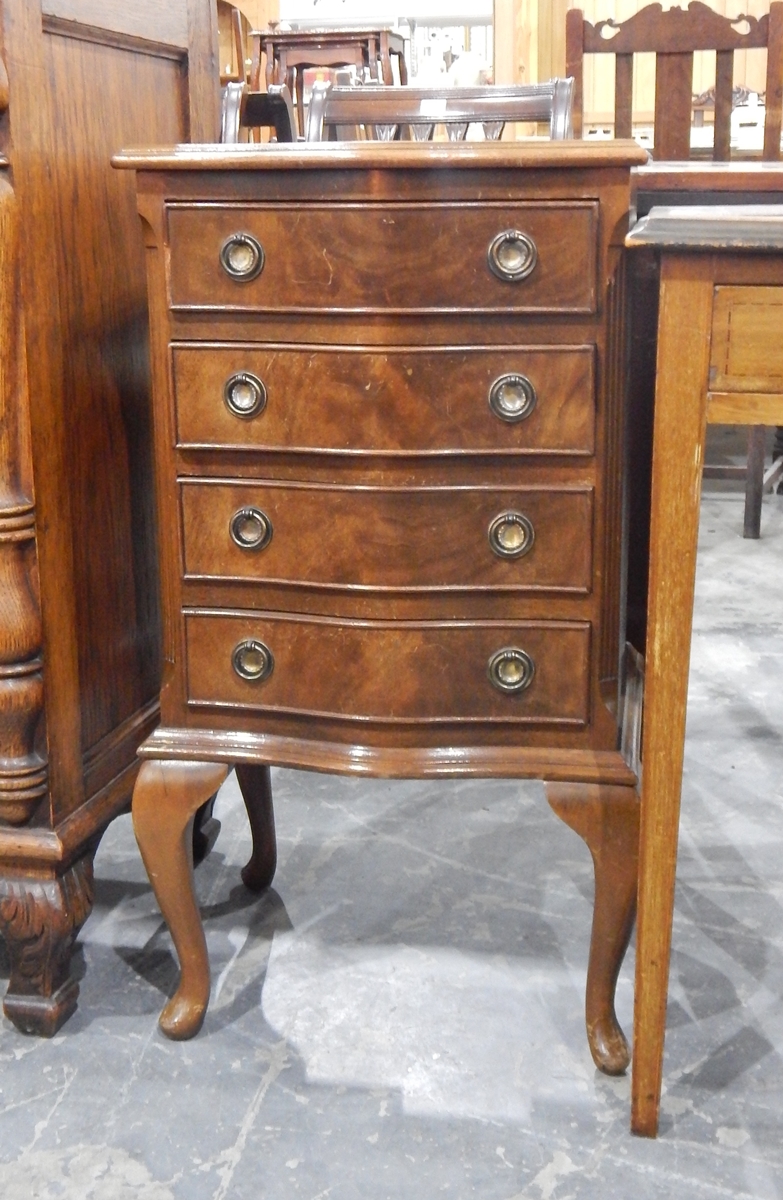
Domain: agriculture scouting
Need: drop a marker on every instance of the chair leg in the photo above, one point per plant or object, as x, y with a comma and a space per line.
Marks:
754, 480
607, 817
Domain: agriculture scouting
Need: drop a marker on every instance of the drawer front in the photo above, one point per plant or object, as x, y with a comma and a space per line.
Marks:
390, 671
747, 346
538, 400
343, 257
389, 538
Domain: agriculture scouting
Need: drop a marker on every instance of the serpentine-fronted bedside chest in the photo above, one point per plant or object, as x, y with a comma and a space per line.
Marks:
388, 421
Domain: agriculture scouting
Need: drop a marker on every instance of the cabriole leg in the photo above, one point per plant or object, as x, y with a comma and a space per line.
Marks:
256, 786
607, 817
165, 800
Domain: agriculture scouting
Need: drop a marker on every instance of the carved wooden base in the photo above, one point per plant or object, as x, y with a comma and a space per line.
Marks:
40, 919
607, 817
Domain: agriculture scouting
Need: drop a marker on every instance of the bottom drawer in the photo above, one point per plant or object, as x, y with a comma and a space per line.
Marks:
520, 671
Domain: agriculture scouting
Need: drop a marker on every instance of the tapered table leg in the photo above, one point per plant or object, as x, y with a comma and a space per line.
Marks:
165, 799
256, 786
608, 820
684, 325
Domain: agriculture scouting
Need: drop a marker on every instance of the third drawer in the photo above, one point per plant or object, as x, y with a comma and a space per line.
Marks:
405, 539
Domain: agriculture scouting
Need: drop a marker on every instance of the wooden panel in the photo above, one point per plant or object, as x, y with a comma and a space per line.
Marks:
747, 347
391, 538
107, 97
391, 671
149, 19
744, 408
312, 261
394, 401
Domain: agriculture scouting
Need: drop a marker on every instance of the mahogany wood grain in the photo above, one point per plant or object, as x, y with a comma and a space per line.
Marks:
165, 800
311, 262
608, 820
538, 155
395, 761
381, 463
395, 538
84, 76
398, 400
391, 671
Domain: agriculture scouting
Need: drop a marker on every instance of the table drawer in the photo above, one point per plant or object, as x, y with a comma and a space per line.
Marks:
381, 258
534, 399
389, 538
390, 671
747, 340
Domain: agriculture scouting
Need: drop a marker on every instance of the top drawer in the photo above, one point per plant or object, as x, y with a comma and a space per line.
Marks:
536, 257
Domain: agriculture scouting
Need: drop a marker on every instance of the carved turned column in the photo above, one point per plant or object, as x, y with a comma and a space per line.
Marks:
22, 763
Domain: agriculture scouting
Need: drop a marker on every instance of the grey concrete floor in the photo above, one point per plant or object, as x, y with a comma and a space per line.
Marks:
402, 1016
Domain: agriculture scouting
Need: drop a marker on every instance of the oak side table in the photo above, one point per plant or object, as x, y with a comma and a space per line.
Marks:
720, 359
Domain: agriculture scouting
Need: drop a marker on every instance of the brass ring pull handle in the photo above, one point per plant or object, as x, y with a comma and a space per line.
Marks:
511, 670
511, 535
250, 529
512, 397
252, 660
512, 256
242, 257
244, 395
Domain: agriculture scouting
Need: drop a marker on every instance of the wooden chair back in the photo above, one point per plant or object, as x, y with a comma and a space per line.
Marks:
244, 110
391, 113
234, 34
673, 36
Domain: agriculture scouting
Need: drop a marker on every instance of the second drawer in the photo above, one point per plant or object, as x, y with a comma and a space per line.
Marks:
389, 538
386, 400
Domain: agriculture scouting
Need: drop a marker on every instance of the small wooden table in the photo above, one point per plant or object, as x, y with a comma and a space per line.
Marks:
719, 359
291, 51
668, 183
